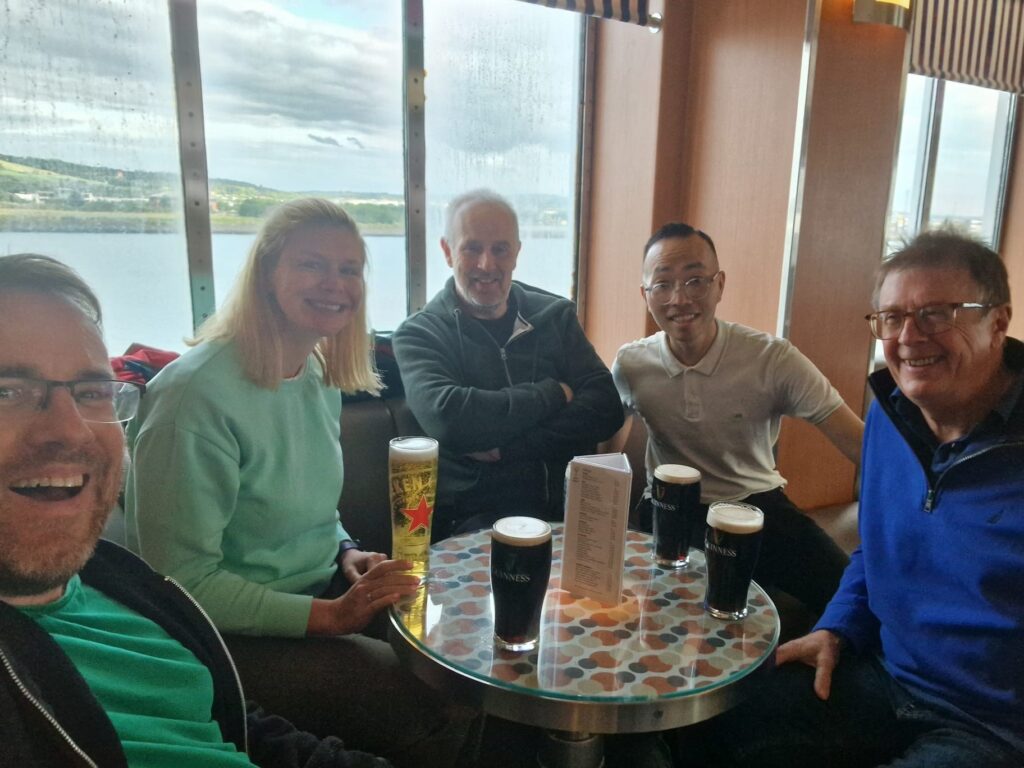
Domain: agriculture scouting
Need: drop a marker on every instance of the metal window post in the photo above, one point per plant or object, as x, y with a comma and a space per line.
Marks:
415, 159
188, 88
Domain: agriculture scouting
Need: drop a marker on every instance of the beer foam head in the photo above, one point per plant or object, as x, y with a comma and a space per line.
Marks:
413, 448
521, 531
734, 517
677, 473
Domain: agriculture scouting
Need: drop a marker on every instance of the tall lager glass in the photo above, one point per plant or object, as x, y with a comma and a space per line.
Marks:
412, 480
731, 545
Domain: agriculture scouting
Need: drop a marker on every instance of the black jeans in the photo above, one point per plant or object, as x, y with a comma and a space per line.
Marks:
797, 556
868, 720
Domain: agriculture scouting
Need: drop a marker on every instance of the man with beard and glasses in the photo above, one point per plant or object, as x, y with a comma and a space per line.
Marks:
102, 661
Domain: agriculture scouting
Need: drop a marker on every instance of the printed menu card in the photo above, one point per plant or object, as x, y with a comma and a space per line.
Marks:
596, 515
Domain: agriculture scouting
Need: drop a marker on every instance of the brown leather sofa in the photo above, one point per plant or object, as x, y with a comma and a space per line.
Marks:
367, 426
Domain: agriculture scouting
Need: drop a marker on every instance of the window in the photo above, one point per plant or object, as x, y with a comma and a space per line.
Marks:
300, 97
89, 157
502, 93
953, 160
305, 98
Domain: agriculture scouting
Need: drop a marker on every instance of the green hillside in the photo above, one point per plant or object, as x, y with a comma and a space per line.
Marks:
45, 194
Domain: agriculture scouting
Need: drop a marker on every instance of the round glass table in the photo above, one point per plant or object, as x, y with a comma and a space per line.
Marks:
655, 661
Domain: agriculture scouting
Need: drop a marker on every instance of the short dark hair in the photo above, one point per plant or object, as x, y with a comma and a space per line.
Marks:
32, 273
949, 248
678, 229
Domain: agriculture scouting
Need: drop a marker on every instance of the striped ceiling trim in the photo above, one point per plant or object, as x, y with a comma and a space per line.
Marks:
634, 11
980, 42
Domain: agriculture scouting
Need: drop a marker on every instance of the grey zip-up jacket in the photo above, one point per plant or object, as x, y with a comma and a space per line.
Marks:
49, 717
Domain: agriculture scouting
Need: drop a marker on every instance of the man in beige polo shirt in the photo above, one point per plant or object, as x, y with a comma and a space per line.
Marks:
713, 393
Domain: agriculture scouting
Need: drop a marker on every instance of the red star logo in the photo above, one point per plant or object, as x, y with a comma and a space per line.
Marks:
419, 517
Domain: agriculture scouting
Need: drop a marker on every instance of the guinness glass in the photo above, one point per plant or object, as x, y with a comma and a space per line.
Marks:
675, 499
520, 567
731, 545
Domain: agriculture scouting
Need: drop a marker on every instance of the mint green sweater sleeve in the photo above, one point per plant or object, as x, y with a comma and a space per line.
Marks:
233, 491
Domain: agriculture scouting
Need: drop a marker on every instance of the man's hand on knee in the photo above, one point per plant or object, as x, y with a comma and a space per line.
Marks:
820, 650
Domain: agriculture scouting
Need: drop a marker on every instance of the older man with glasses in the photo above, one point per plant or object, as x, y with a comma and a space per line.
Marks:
918, 660
713, 394
103, 662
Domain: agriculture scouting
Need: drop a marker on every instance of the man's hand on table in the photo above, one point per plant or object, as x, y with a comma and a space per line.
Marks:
820, 650
383, 584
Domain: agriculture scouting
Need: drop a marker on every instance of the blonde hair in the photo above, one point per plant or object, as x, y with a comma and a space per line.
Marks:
251, 318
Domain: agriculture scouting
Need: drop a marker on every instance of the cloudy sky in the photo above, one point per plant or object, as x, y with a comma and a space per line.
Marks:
969, 125
299, 94
306, 95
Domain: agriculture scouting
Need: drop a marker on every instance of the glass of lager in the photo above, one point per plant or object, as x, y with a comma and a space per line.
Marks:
731, 545
675, 498
412, 481
520, 568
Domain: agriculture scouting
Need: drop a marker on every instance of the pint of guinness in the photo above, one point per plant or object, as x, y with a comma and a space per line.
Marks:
675, 499
520, 567
731, 544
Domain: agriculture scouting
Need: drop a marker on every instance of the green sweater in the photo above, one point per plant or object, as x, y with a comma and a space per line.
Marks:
233, 489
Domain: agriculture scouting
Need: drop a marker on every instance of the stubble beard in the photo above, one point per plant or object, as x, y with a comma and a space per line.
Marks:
37, 556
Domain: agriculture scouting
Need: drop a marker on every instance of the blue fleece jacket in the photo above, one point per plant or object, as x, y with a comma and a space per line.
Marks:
937, 585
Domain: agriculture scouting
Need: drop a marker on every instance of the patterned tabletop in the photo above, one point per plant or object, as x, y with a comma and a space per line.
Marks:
658, 643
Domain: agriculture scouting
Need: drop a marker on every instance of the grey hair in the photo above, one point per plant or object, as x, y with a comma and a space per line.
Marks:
475, 197
948, 248
33, 273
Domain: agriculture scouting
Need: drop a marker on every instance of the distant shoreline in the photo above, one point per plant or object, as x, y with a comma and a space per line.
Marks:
108, 222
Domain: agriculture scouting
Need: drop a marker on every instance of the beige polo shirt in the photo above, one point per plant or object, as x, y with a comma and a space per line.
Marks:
722, 415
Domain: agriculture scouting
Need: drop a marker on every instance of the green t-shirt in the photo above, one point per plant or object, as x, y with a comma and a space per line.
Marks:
156, 693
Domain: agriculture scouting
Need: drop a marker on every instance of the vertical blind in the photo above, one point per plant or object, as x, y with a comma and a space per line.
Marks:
634, 11
980, 42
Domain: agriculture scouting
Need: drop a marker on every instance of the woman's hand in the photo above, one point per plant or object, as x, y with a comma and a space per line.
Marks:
382, 585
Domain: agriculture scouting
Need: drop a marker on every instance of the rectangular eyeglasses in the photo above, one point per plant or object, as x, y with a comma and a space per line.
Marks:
107, 401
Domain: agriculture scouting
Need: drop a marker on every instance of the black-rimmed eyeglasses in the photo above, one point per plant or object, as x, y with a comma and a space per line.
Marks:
930, 320
693, 288
106, 401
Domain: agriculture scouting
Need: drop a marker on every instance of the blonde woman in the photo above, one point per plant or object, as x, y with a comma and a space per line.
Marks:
236, 474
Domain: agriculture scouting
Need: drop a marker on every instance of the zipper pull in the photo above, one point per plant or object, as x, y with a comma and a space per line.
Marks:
929, 500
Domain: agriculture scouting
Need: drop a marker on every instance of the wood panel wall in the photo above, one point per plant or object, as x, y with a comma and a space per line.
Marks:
745, 78
851, 150
624, 170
